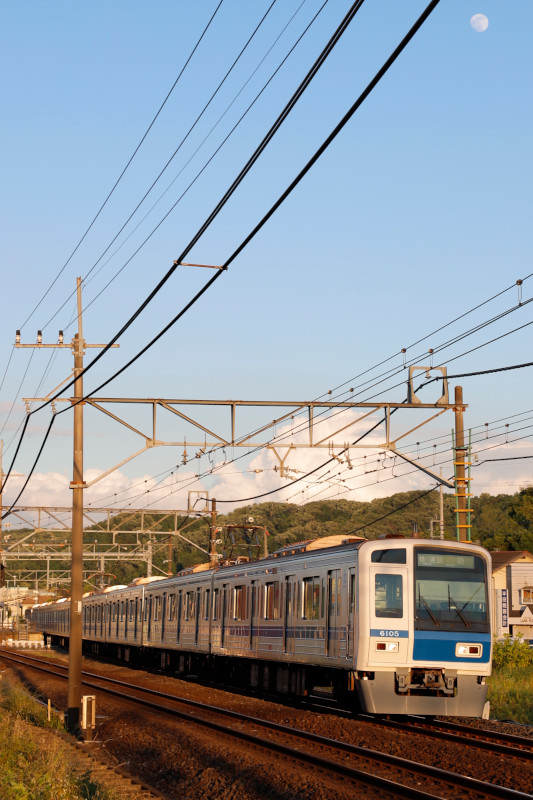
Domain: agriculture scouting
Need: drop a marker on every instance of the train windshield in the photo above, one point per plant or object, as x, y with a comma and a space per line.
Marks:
450, 591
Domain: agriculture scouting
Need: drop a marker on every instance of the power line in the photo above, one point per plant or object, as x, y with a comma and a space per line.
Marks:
206, 164
125, 168
281, 118
163, 170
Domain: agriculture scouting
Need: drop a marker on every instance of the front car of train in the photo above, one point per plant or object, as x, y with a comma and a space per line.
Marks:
424, 641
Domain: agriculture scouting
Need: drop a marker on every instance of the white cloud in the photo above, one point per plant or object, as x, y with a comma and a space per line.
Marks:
373, 473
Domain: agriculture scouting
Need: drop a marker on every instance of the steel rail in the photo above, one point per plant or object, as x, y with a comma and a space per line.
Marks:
502, 743
434, 773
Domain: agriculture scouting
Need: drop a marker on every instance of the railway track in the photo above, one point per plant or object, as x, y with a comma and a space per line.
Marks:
339, 759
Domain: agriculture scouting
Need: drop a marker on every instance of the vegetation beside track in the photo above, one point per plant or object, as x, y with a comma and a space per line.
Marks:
34, 765
511, 683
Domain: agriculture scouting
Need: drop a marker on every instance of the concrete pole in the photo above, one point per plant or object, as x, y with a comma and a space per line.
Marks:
441, 509
76, 580
213, 559
461, 484
149, 557
1, 510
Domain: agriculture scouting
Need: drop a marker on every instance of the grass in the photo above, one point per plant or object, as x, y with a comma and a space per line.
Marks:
35, 766
511, 694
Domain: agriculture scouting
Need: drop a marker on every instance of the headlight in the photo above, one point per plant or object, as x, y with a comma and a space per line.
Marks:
389, 647
466, 650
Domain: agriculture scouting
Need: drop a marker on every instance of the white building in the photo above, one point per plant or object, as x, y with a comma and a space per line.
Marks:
512, 581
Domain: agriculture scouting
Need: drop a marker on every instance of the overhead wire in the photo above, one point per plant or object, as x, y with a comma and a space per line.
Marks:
176, 151
237, 181
205, 165
136, 150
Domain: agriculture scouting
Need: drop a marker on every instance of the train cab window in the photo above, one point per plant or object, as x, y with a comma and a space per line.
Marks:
451, 590
311, 598
388, 595
239, 603
216, 604
172, 608
272, 600
392, 555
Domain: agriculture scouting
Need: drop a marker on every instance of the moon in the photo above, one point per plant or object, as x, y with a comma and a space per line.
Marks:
479, 23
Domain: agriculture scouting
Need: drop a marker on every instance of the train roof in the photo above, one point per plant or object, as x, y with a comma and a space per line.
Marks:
316, 544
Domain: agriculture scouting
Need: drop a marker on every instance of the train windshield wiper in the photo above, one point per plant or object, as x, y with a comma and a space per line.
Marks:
423, 601
453, 604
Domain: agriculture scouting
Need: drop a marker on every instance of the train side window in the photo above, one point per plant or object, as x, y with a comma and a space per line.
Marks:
216, 604
239, 602
145, 609
189, 605
132, 610
157, 608
272, 600
172, 608
122, 610
392, 555
311, 598
352, 593
207, 603
388, 595
99, 612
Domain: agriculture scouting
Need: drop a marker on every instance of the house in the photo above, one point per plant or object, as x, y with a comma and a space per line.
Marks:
512, 582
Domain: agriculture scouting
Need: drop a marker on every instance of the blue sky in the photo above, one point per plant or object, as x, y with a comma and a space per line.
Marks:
420, 210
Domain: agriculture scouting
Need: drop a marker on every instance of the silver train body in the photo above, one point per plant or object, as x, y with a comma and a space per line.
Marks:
396, 626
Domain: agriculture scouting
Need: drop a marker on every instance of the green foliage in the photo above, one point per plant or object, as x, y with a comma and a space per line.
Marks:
512, 653
26, 707
34, 767
499, 522
511, 694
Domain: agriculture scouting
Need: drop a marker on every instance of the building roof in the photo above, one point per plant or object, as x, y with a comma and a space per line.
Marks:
502, 558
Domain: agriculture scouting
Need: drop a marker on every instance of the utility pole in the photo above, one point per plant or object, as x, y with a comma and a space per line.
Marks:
462, 521
213, 557
76, 575
441, 509
2, 568
77, 346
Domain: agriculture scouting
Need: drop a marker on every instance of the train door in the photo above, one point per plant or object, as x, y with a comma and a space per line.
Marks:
254, 622
178, 616
350, 633
163, 615
289, 620
197, 621
389, 618
333, 613
149, 620
225, 613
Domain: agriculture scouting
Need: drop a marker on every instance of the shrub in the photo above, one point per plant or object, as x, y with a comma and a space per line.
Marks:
512, 653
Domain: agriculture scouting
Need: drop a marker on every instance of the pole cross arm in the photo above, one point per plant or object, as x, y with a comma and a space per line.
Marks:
427, 471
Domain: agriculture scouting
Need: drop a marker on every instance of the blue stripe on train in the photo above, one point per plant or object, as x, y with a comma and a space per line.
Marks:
440, 646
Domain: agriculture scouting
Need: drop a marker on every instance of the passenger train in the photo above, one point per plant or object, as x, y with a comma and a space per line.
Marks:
395, 626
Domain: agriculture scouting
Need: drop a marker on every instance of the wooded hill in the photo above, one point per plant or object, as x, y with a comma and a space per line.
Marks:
500, 522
